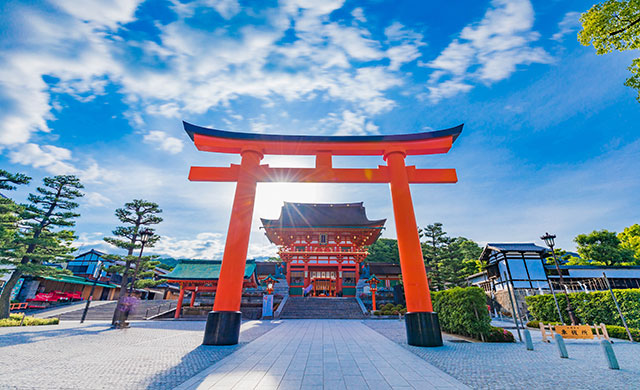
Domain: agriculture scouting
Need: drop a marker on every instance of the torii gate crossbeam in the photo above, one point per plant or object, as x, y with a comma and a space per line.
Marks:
223, 323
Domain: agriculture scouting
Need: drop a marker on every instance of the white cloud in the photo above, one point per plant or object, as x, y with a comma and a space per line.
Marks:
568, 24
58, 161
53, 159
353, 123
487, 51
164, 142
96, 199
103, 13
203, 246
358, 14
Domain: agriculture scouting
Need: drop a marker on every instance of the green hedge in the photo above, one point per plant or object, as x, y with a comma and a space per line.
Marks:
596, 307
455, 308
15, 319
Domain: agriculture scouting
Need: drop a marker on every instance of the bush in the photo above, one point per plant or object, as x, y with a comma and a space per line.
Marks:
499, 335
377, 313
592, 308
463, 311
15, 319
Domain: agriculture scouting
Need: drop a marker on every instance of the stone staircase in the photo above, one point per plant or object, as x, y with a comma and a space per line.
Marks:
105, 312
324, 308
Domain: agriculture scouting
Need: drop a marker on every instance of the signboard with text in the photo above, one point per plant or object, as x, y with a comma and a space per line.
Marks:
574, 331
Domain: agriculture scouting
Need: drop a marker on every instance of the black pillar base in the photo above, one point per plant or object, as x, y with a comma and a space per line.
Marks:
423, 329
223, 328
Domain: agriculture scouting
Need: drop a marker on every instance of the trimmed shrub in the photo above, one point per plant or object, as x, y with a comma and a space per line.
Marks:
463, 311
499, 335
592, 308
15, 319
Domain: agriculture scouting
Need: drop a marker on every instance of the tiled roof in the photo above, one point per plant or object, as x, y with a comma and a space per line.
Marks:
190, 269
322, 215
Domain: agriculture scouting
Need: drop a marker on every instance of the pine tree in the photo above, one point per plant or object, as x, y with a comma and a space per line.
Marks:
9, 210
136, 215
43, 236
432, 249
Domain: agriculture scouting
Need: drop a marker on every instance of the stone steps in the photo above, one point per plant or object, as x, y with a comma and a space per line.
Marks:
327, 308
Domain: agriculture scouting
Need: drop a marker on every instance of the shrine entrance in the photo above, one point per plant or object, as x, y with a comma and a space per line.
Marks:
223, 323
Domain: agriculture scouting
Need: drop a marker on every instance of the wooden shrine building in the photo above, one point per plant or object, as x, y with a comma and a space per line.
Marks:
202, 276
323, 246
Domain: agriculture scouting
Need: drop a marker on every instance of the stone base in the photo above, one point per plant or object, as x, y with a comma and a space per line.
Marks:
223, 328
423, 329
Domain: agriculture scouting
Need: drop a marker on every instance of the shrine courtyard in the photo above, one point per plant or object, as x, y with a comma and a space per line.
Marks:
293, 354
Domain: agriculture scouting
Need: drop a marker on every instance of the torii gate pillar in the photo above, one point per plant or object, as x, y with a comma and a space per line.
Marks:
223, 323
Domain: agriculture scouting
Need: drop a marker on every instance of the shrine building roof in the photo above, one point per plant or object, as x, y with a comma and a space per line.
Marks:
190, 269
311, 215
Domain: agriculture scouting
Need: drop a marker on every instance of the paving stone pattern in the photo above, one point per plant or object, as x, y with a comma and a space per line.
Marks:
511, 366
322, 354
153, 355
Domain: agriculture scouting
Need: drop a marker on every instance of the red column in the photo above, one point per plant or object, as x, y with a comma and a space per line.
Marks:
414, 275
193, 298
373, 298
229, 291
180, 298
339, 277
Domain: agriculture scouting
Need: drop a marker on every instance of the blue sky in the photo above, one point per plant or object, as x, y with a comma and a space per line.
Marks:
99, 88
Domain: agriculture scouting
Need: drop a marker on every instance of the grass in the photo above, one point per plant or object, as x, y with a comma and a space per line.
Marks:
16, 318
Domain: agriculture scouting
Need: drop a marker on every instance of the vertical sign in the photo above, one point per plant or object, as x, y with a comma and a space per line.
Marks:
267, 305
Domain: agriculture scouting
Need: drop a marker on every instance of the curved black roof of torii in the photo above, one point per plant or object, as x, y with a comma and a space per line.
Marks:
192, 129
305, 215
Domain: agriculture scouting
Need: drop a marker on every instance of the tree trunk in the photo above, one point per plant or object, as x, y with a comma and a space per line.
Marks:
5, 297
117, 313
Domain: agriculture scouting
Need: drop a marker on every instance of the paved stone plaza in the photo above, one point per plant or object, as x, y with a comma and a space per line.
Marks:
293, 354
511, 366
150, 355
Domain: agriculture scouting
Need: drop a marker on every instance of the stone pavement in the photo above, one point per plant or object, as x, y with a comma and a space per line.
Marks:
153, 355
322, 354
511, 366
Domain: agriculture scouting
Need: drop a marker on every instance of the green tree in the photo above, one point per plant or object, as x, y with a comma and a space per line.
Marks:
43, 236
435, 241
384, 250
630, 239
143, 277
614, 25
8, 181
9, 210
603, 247
135, 215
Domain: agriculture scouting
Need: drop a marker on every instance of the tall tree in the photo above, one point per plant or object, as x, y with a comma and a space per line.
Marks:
43, 236
630, 239
9, 210
603, 247
614, 25
435, 239
8, 180
384, 250
135, 215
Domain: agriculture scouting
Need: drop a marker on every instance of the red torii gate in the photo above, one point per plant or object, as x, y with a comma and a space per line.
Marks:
223, 323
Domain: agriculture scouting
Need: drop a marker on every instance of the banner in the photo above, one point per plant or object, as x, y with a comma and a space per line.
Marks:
267, 306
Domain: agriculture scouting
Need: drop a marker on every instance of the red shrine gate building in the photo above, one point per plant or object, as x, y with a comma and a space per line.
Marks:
323, 246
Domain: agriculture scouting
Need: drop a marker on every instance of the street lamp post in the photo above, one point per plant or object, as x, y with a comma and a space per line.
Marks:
549, 239
93, 289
